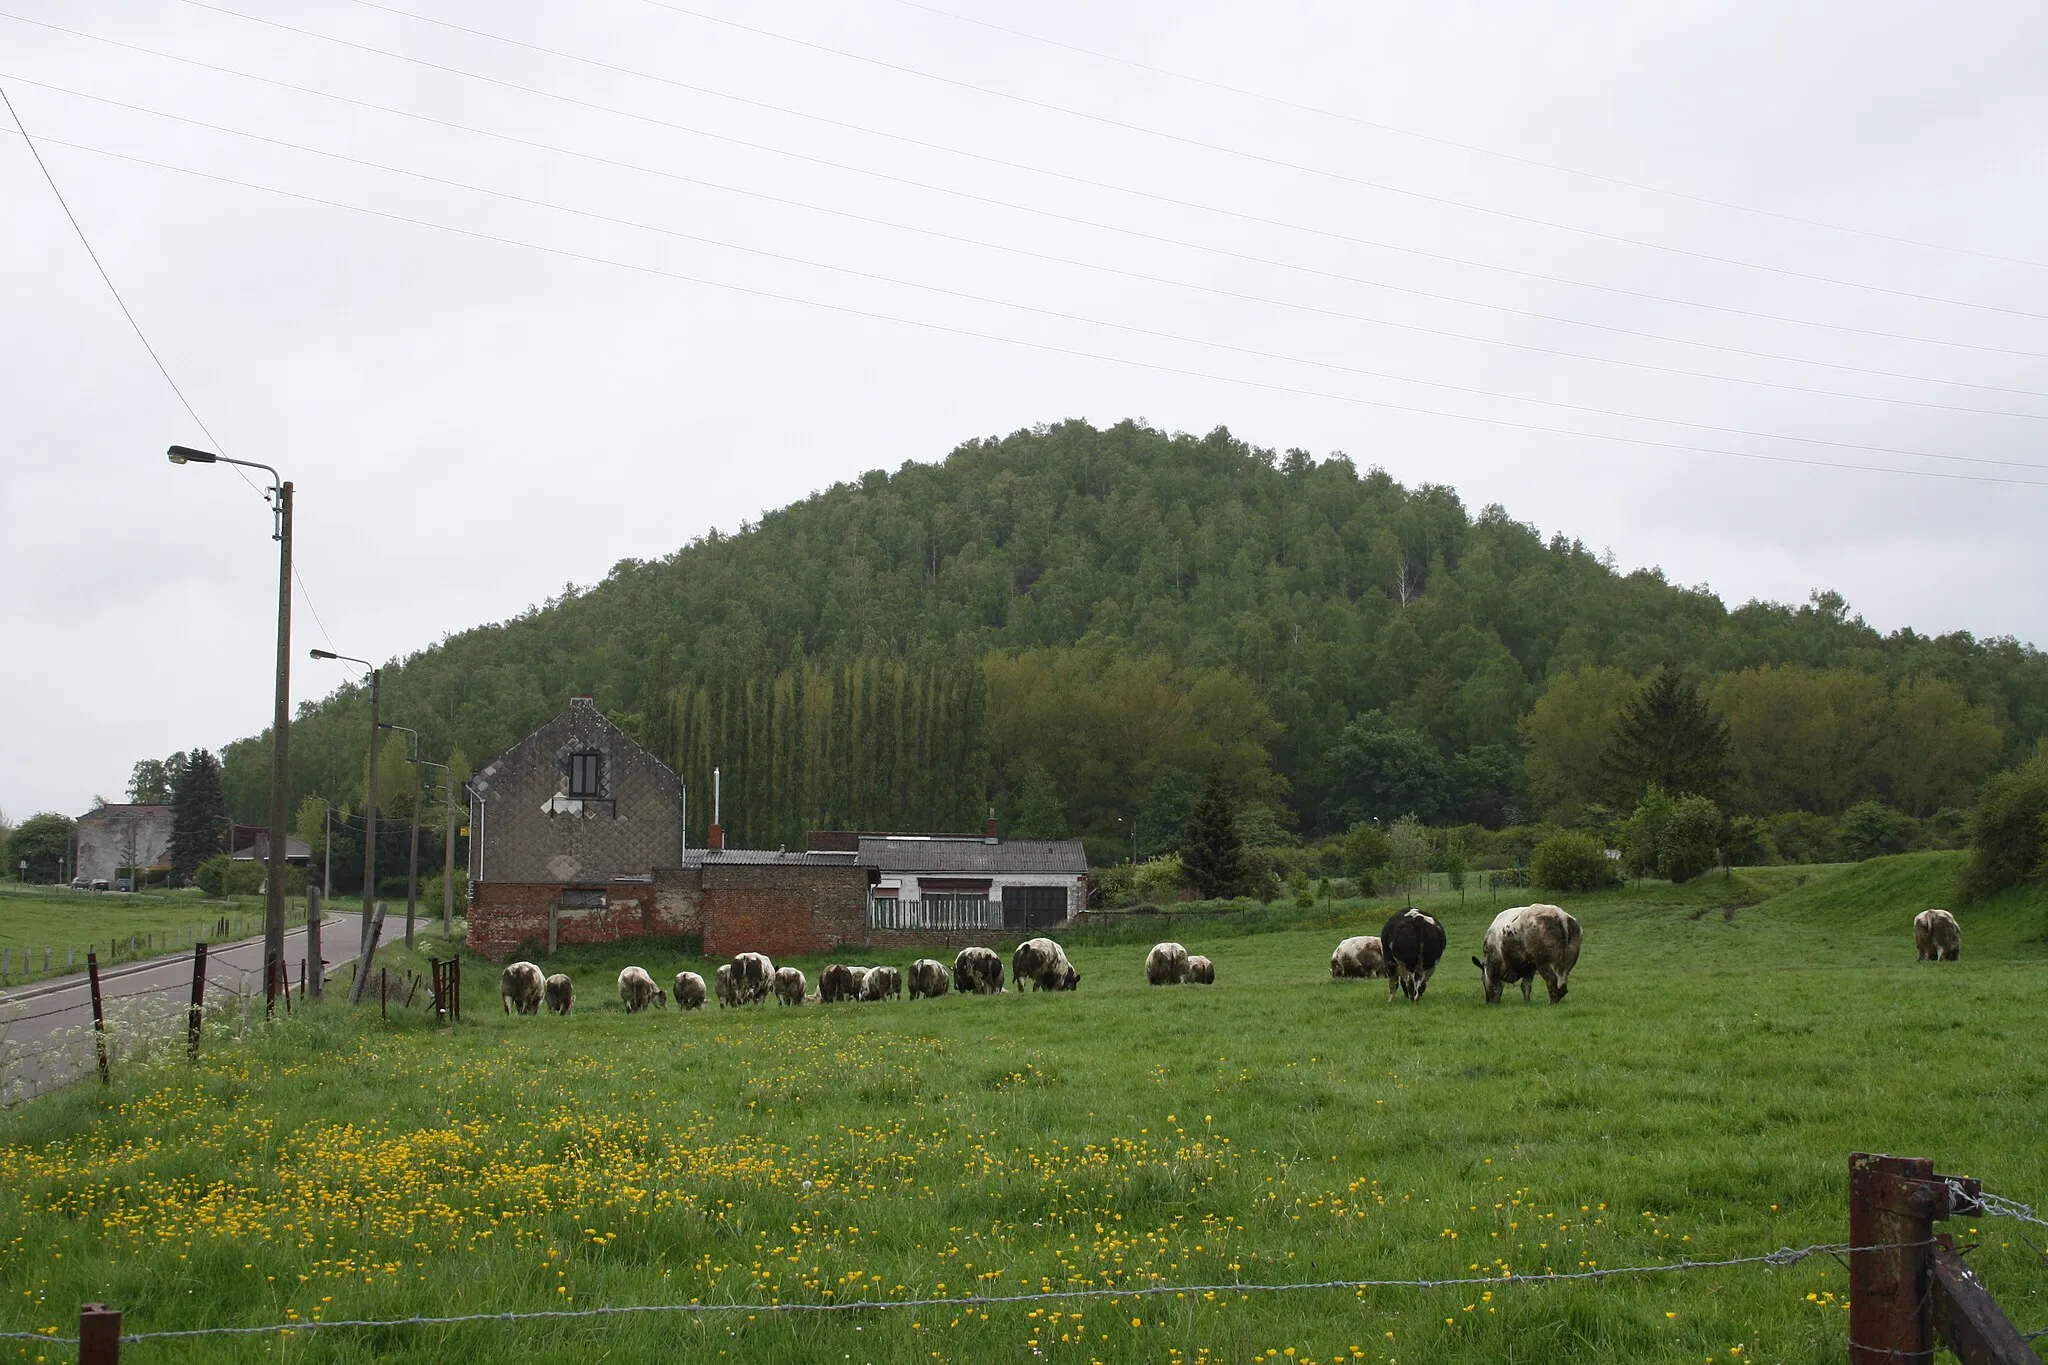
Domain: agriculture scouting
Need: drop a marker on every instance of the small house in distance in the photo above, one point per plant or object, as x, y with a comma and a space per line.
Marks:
948, 882
119, 836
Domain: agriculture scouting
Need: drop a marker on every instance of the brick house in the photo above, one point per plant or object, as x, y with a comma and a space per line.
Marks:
576, 836
965, 881
118, 836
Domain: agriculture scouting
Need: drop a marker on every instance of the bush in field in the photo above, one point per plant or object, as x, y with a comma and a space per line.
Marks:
1690, 841
221, 875
1571, 862
1640, 837
1410, 850
1750, 843
1454, 859
2006, 830
1803, 837
1365, 849
1870, 829
1158, 880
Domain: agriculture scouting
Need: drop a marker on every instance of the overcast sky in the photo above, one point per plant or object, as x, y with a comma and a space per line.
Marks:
709, 270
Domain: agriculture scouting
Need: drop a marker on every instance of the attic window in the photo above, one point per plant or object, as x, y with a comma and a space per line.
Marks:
586, 775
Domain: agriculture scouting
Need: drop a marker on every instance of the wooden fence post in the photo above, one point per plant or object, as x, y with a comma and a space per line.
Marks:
384, 991
198, 1009
313, 917
99, 1335
372, 931
99, 1017
1968, 1318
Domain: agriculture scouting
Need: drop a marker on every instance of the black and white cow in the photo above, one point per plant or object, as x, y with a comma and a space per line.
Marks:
789, 986
1938, 937
1414, 944
561, 993
521, 988
1360, 956
1044, 964
1166, 965
689, 991
753, 978
637, 990
1525, 942
928, 979
977, 971
1201, 971
883, 983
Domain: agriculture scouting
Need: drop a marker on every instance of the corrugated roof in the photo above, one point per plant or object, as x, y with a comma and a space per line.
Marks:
698, 857
963, 853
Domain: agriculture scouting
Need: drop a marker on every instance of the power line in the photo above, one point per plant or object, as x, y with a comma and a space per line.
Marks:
988, 159
1143, 331
1051, 348
1109, 269
1283, 164
161, 368
1441, 141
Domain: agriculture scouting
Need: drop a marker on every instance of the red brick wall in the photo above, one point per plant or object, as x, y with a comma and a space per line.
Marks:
505, 917
778, 910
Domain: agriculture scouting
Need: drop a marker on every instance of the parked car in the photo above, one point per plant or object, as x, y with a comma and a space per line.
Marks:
124, 884
100, 884
81, 884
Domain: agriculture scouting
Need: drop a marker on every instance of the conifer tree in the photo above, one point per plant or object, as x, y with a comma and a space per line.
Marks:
1667, 736
198, 814
1212, 854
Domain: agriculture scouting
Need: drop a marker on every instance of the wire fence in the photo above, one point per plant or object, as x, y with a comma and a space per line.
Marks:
1783, 1256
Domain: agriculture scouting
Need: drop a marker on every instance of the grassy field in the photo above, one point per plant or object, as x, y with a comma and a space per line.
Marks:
1724, 1047
119, 926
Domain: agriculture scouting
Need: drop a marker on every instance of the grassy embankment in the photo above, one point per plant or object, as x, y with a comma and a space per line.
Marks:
1723, 1049
119, 926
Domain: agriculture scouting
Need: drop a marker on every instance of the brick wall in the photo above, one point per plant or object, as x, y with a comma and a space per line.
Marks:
781, 911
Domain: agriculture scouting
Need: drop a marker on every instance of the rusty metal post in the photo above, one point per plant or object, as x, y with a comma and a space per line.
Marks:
1891, 1317
99, 1017
198, 1009
99, 1335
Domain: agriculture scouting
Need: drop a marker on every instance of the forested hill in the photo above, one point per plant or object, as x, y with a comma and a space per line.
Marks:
1067, 622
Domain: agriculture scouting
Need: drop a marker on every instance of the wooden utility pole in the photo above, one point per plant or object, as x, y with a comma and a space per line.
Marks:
314, 909
370, 810
448, 866
99, 1016
197, 1011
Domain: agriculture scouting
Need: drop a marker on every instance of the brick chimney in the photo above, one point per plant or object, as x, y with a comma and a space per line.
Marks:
988, 832
716, 839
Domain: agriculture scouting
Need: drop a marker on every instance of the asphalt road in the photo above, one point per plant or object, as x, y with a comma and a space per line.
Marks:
46, 1028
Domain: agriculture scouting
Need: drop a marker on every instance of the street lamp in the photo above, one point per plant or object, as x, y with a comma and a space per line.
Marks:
280, 496
369, 809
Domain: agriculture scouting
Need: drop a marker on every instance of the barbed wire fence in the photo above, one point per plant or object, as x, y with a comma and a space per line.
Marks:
1782, 1257
1977, 1202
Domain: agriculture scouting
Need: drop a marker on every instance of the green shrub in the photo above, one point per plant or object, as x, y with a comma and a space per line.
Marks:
1641, 836
1304, 899
1690, 840
1803, 837
211, 875
1365, 849
1750, 843
1159, 879
1571, 862
1454, 859
1871, 829
2006, 834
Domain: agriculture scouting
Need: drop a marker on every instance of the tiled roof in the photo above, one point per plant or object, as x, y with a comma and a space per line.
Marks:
960, 853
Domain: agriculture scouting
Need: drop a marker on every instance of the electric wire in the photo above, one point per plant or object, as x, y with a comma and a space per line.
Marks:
1263, 159
1280, 101
1143, 331
1075, 352
986, 158
1111, 269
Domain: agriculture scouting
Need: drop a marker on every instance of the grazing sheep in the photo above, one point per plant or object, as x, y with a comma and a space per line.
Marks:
1166, 965
883, 983
1201, 971
928, 979
789, 986
637, 990
977, 971
561, 992
689, 991
521, 988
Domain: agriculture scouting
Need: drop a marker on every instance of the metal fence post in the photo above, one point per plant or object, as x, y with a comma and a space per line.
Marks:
99, 1335
99, 1018
1891, 1252
198, 1009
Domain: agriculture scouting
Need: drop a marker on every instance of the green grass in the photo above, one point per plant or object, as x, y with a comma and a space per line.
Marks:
120, 927
1721, 1053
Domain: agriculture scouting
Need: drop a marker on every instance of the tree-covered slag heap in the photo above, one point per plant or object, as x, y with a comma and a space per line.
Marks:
1078, 625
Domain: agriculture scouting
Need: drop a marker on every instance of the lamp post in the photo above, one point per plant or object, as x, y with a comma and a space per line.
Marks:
412, 870
280, 726
369, 801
